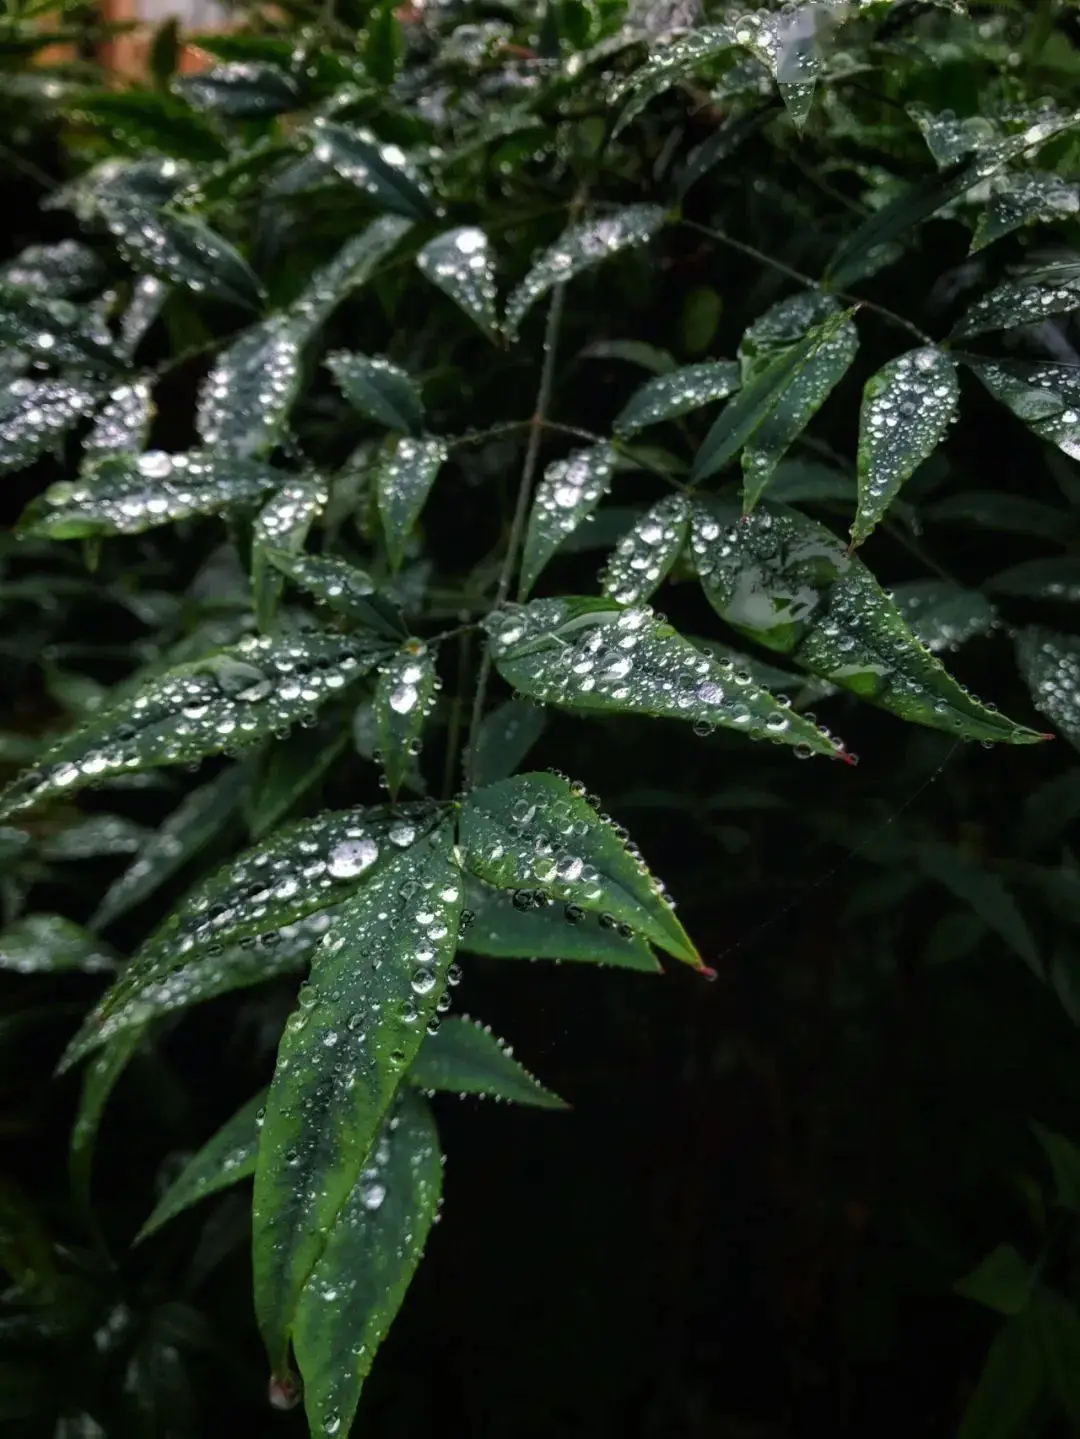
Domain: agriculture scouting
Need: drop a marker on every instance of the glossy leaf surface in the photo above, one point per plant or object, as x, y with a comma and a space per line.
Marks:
506, 736
594, 656
644, 556
567, 495
1045, 396
667, 65
1019, 302
123, 422
243, 90
180, 250
379, 389
245, 400
464, 1057
1050, 663
281, 527
404, 475
374, 985
36, 414
404, 697
669, 395
381, 170
50, 944
462, 263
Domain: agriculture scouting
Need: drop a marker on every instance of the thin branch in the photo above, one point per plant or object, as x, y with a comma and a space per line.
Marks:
521, 512
778, 265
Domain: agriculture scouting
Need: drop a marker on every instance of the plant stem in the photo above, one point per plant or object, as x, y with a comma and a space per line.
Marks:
521, 512
778, 265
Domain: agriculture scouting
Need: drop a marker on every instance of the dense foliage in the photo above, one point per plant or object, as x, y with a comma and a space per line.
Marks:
364, 393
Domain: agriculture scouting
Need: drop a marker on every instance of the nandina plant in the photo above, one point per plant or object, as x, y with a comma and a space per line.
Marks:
323, 349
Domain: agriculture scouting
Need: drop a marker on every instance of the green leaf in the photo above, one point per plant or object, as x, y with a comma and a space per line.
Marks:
332, 582
183, 834
404, 475
791, 585
594, 656
148, 295
55, 271
633, 352
382, 171
1010, 1386
567, 495
126, 494
99, 1081
245, 90
1003, 1281
784, 43
724, 141
528, 924
245, 400
770, 338
677, 393
986, 894
506, 736
351, 267
579, 248
379, 389
1057, 1327
1044, 395
1050, 663
404, 697
179, 249
739, 421
292, 767
56, 332
949, 137
1024, 197
1064, 1157
1009, 513
1019, 302
944, 615
462, 263
232, 698
538, 830
223, 1161
643, 558
375, 982
50, 944
123, 422
281, 527
667, 65
358, 1284
96, 835
464, 1057
36, 414
906, 409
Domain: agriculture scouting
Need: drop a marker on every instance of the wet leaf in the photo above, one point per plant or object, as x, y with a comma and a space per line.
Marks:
123, 423
579, 248
375, 981
183, 834
381, 170
228, 700
740, 420
949, 137
351, 267
99, 1081
784, 43
724, 141
55, 271
533, 928
632, 352
404, 697
944, 615
1019, 302
148, 295
224, 1160
644, 556
462, 263
667, 65
997, 510
126, 494
94, 836
56, 332
404, 474
36, 414
1003, 1281
281, 527
506, 736
379, 389
358, 1284
1050, 663
245, 400
207, 974
677, 393
1025, 197
791, 585
464, 1057
907, 407
1050, 579
594, 656
244, 90
180, 250
770, 338
537, 831
1044, 395
567, 495
293, 766
987, 896
50, 944
332, 582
